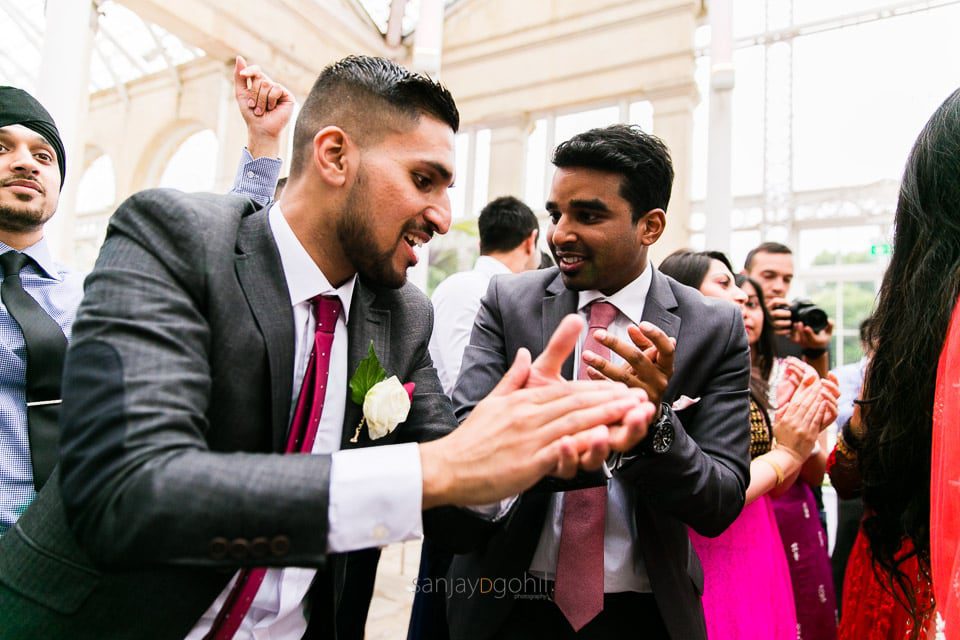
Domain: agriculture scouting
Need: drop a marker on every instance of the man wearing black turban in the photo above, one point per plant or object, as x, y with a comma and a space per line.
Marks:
32, 168
39, 296
38, 300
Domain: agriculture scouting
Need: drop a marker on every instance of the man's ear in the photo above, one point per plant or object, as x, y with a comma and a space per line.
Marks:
332, 154
531, 241
650, 227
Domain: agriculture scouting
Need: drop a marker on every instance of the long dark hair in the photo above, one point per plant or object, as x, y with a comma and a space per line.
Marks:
908, 330
764, 352
690, 268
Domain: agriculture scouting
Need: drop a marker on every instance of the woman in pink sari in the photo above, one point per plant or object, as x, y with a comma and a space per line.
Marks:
747, 589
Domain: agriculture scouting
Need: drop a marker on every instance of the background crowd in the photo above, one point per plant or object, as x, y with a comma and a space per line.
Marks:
674, 485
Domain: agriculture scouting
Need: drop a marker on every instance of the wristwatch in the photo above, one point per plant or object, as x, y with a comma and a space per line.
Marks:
660, 434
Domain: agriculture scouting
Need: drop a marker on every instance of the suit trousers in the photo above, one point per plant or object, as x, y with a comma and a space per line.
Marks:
538, 618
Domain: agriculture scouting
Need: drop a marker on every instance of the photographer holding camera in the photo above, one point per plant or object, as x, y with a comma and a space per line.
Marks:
803, 329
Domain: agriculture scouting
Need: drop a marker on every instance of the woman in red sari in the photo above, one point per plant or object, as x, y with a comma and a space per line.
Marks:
945, 483
906, 441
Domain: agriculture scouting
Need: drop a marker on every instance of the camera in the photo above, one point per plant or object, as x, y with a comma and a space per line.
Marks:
805, 311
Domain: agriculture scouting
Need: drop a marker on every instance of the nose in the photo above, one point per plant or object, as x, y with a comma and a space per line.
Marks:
23, 161
439, 216
560, 232
740, 297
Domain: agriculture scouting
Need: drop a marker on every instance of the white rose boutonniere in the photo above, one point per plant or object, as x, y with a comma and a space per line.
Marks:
385, 401
385, 406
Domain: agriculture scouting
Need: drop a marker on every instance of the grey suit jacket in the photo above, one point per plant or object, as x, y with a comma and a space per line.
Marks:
177, 393
700, 482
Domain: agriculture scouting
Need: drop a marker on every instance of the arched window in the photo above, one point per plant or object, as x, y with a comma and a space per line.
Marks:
97, 190
194, 164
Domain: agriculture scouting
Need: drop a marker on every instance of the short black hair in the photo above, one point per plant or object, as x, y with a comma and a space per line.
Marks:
505, 223
368, 97
642, 159
765, 247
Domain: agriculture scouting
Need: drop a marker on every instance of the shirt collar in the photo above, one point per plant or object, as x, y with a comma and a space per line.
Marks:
304, 278
629, 300
490, 266
40, 253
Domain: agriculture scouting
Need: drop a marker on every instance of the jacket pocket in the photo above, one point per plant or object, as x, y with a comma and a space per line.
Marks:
41, 575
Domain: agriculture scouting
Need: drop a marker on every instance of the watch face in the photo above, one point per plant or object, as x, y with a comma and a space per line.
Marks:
662, 437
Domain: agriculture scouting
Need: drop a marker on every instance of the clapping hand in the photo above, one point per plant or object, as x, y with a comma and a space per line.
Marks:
593, 446
795, 372
647, 362
800, 418
531, 425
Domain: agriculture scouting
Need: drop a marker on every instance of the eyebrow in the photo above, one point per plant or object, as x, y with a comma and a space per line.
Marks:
441, 170
594, 204
34, 140
34, 137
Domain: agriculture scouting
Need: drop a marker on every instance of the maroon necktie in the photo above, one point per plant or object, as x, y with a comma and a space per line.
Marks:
303, 431
579, 586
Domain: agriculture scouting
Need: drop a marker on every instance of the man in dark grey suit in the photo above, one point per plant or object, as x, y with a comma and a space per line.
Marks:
637, 574
207, 323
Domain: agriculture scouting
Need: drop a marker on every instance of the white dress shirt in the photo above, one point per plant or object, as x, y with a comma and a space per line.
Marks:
375, 492
623, 567
456, 301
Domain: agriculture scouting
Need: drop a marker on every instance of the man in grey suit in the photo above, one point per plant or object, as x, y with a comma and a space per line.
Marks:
598, 558
207, 323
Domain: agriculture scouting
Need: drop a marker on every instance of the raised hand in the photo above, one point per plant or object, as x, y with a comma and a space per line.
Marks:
266, 108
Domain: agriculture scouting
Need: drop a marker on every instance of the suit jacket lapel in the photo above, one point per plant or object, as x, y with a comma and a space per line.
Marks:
658, 309
367, 323
558, 302
260, 273
659, 304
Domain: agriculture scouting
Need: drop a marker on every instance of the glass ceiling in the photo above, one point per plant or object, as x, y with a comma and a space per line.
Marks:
379, 12
125, 47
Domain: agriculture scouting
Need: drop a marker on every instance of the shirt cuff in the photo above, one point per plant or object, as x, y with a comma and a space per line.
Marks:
256, 177
376, 497
495, 511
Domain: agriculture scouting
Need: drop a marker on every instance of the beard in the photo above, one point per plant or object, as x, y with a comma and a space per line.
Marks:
355, 230
29, 217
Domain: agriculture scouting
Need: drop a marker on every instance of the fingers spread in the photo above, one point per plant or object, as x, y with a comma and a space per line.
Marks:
638, 338
665, 346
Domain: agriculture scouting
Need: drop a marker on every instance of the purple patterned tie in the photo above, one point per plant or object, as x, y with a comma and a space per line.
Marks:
579, 586
303, 431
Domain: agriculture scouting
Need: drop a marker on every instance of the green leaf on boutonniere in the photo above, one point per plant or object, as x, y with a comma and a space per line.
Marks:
368, 373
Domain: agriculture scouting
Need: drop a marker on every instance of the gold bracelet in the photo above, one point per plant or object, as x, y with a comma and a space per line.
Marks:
776, 468
844, 449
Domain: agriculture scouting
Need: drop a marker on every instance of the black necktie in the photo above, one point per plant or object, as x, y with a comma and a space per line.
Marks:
46, 346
